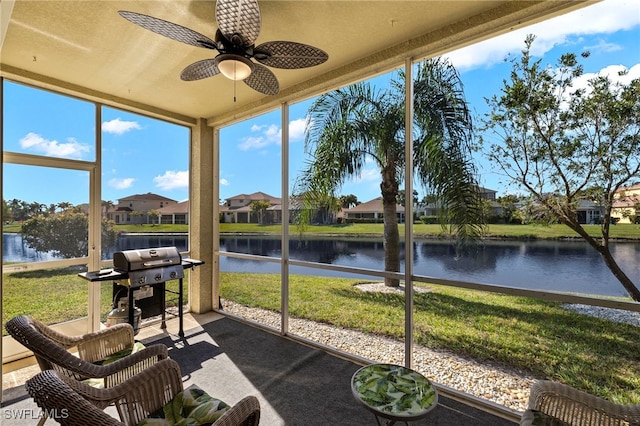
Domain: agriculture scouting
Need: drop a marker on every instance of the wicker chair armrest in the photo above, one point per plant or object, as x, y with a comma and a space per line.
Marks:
579, 408
56, 397
139, 395
102, 343
23, 321
245, 413
124, 368
113, 373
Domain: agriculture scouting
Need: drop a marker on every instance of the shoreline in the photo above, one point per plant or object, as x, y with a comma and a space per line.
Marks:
380, 236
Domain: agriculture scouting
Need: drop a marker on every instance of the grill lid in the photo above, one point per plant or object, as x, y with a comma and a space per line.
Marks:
144, 259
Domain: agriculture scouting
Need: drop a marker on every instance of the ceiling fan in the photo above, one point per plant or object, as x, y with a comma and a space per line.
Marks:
239, 25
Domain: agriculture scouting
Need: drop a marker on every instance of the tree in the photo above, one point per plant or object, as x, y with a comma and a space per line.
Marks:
64, 234
136, 216
156, 216
402, 197
35, 208
259, 207
106, 206
357, 124
348, 201
64, 206
6, 212
15, 209
326, 209
509, 207
564, 143
51, 209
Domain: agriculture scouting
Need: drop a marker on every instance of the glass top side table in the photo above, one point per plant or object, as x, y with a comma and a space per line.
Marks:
394, 392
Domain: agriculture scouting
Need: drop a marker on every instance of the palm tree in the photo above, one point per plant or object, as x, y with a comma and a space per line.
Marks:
349, 127
260, 206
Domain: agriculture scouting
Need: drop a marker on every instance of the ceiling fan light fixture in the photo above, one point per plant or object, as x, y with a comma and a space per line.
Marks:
234, 67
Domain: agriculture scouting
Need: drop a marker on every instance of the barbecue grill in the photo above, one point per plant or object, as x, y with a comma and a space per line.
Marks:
140, 272
149, 266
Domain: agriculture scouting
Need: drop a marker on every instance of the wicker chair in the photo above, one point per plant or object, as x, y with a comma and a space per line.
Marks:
70, 402
552, 403
51, 350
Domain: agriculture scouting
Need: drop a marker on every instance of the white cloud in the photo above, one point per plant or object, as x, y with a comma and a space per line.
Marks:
296, 129
252, 143
119, 127
52, 148
122, 183
604, 47
601, 18
615, 74
224, 182
368, 174
172, 179
271, 135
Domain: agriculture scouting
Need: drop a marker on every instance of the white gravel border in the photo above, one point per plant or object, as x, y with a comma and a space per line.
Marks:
616, 315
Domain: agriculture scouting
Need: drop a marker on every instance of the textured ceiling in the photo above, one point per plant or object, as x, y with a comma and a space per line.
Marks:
85, 48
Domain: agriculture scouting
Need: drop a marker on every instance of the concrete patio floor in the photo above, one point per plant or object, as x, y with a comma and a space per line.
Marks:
296, 384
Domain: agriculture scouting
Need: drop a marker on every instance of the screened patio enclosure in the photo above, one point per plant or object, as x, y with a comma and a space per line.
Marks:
87, 51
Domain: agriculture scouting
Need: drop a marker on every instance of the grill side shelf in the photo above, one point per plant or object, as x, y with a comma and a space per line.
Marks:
104, 275
110, 274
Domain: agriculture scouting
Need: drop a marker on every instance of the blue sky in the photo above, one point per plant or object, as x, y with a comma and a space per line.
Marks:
145, 155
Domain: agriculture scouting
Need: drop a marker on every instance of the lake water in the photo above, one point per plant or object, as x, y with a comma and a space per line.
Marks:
571, 266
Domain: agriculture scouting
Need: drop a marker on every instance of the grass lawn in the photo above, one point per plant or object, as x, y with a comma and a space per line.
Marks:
621, 231
58, 295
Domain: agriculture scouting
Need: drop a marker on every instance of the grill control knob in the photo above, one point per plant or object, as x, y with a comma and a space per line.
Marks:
173, 274
141, 280
158, 277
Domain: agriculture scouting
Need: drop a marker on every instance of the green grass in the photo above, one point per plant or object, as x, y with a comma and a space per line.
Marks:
621, 231
58, 295
152, 228
538, 337
14, 227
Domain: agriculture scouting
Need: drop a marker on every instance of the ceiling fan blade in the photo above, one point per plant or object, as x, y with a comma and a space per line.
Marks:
169, 29
263, 80
289, 55
239, 17
199, 70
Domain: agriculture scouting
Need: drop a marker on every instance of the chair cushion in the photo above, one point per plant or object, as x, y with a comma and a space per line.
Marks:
137, 346
193, 406
538, 418
99, 383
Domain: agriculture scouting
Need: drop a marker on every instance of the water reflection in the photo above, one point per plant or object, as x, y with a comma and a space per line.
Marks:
15, 250
544, 265
476, 259
571, 266
138, 241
